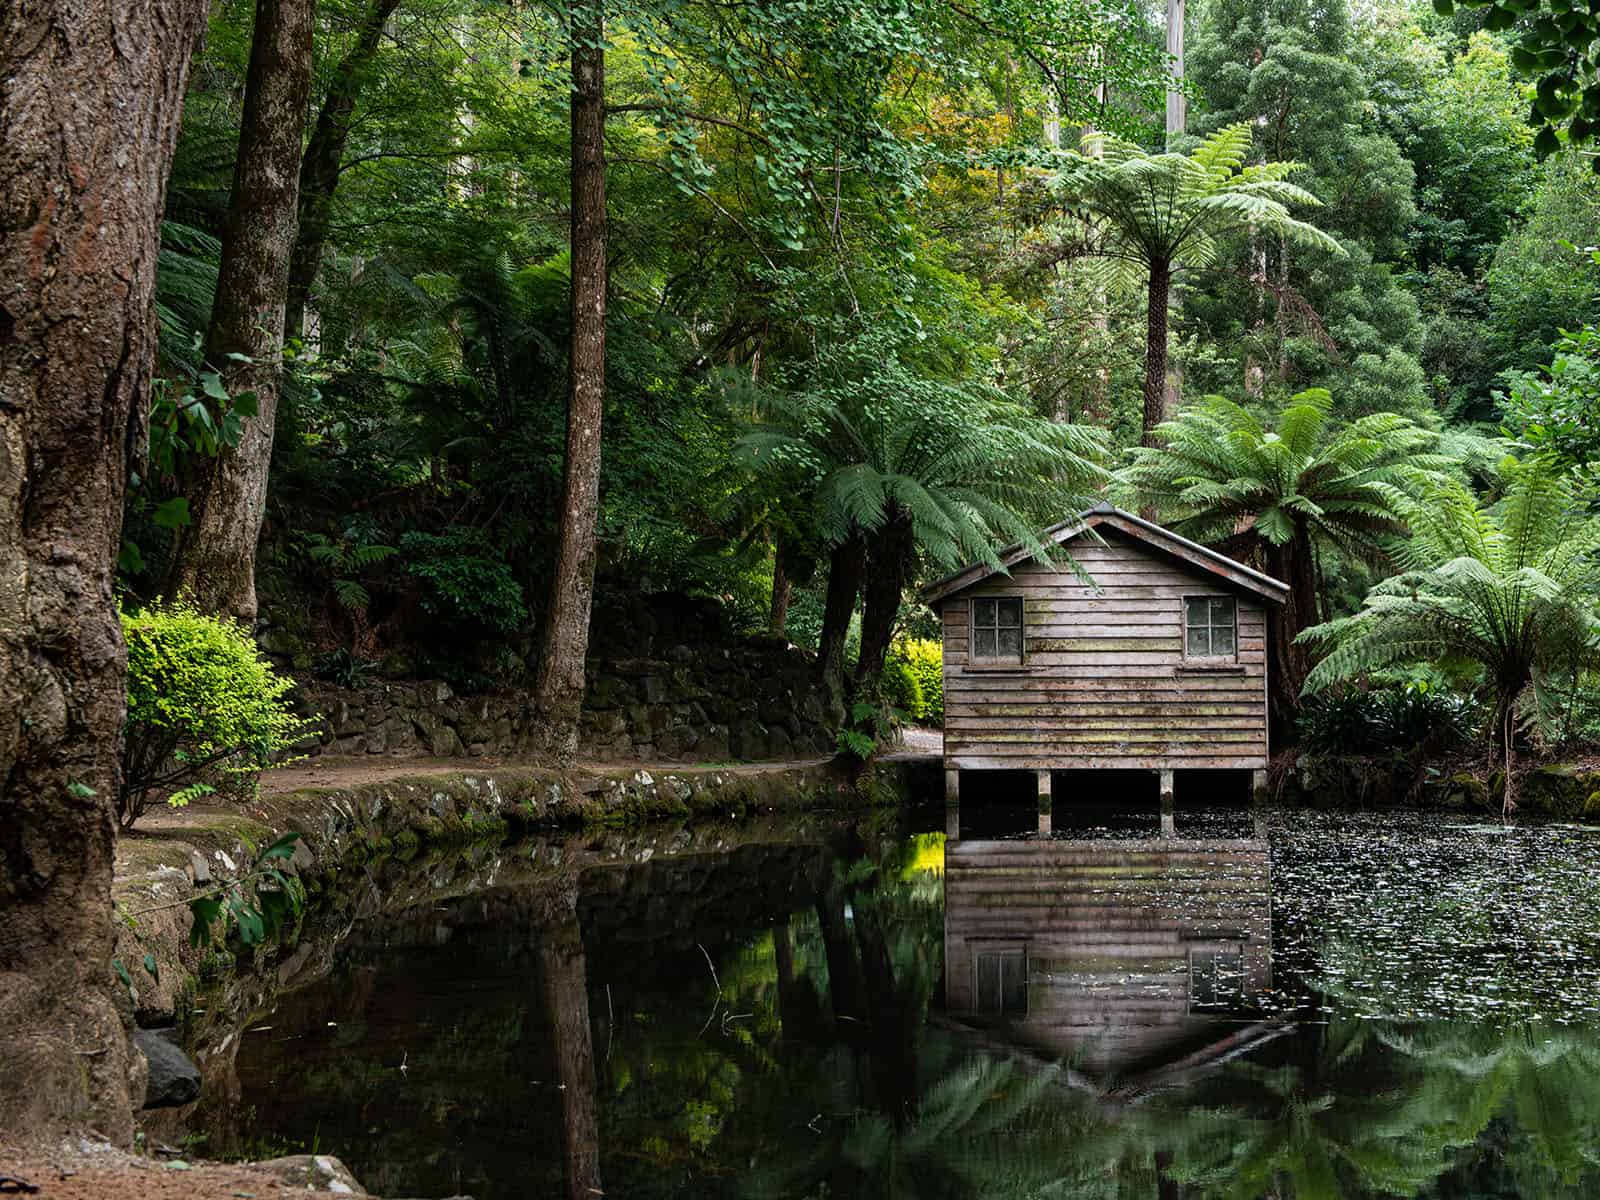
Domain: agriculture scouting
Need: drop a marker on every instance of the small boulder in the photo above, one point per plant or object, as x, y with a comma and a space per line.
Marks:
173, 1079
314, 1172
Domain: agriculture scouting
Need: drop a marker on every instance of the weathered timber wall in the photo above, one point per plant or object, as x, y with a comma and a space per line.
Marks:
1103, 682
1110, 930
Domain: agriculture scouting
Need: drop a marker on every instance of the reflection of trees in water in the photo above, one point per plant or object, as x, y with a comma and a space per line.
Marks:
1378, 1109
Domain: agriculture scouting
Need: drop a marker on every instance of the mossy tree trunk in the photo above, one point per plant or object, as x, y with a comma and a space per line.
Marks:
214, 556
90, 98
564, 644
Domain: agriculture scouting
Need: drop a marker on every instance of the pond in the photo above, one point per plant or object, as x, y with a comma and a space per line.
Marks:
1298, 1004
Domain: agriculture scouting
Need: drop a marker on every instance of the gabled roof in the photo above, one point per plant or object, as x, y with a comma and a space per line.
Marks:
1109, 516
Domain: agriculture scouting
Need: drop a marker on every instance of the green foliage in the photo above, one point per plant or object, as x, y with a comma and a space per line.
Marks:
902, 690
1220, 471
342, 666
1175, 208
872, 719
463, 579
258, 906
924, 659
1557, 411
1505, 586
870, 433
1407, 718
206, 713
1558, 45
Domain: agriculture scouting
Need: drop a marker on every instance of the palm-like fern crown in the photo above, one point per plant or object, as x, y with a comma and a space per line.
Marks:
1221, 477
1174, 208
876, 439
1510, 587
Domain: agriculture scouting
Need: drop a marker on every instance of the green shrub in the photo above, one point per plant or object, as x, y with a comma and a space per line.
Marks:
1392, 717
901, 690
924, 659
464, 579
206, 713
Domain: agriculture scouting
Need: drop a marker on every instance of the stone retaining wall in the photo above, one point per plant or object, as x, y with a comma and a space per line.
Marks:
676, 687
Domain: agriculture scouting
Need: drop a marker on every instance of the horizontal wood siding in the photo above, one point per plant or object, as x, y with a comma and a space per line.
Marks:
1109, 930
1103, 681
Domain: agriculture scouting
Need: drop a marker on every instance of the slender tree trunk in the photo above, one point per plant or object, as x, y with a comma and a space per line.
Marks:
90, 97
558, 686
1254, 373
324, 156
1155, 350
845, 568
1177, 125
566, 991
214, 557
888, 561
782, 589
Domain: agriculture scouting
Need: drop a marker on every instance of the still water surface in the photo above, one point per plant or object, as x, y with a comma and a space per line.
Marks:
1320, 1005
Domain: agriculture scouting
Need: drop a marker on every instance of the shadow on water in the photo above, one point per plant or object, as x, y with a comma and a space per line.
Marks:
1348, 1006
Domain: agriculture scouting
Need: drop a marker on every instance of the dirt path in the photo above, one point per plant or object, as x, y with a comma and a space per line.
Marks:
92, 1171
329, 771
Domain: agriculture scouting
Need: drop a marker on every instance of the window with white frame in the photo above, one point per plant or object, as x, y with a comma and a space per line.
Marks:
1211, 627
997, 629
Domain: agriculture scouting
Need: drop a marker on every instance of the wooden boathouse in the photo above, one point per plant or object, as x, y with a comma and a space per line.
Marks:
1152, 655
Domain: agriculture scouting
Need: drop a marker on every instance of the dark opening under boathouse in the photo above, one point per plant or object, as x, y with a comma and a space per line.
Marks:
1151, 656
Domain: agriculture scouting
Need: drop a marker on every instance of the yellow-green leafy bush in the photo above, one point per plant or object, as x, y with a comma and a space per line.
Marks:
206, 713
924, 659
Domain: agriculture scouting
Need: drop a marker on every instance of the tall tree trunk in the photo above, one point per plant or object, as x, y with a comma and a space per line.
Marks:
1177, 125
845, 567
846, 987
558, 686
1155, 349
888, 562
566, 991
324, 156
90, 97
214, 556
782, 590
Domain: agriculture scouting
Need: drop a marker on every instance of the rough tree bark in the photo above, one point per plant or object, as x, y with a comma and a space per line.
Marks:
1155, 349
214, 556
324, 157
846, 565
888, 563
90, 96
558, 684
1177, 125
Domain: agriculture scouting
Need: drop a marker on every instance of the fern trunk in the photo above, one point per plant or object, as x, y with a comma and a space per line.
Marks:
888, 562
1155, 349
845, 568
1293, 564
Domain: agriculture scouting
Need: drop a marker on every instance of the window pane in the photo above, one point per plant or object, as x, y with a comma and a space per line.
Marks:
983, 612
1222, 611
1222, 639
1014, 984
1199, 643
1009, 613
983, 644
1198, 611
1011, 644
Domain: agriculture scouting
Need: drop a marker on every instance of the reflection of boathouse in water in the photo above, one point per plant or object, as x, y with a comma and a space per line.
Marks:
1121, 957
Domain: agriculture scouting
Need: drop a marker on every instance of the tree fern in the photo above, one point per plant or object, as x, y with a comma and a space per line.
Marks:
1156, 214
1284, 496
1508, 587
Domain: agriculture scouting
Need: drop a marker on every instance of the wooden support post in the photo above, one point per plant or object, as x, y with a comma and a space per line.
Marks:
1045, 802
1169, 824
1258, 802
952, 805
